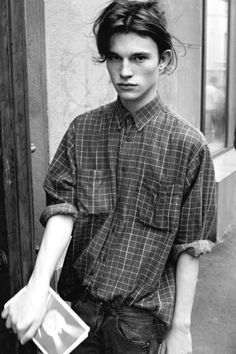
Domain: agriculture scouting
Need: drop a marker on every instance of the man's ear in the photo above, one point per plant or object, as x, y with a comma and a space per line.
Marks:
165, 60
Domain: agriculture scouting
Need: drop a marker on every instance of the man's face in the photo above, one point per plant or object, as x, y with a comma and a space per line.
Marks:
133, 65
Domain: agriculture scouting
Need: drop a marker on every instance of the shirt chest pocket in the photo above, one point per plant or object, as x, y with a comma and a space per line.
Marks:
95, 191
159, 205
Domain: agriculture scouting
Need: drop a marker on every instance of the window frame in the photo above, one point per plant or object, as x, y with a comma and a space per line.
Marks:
227, 143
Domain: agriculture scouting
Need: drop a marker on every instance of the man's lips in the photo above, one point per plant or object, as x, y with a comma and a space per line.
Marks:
121, 84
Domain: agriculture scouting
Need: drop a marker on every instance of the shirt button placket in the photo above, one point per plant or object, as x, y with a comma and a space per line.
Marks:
128, 128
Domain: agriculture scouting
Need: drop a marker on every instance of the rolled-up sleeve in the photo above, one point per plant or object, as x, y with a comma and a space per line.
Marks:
197, 227
60, 183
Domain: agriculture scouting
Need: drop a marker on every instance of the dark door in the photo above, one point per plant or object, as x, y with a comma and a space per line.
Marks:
16, 208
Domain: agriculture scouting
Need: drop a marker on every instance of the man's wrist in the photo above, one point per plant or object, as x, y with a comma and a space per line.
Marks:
42, 282
182, 325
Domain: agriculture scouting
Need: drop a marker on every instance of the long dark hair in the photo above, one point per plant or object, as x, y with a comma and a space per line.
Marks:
144, 18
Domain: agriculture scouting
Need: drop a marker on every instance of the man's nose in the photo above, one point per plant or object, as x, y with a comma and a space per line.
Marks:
125, 70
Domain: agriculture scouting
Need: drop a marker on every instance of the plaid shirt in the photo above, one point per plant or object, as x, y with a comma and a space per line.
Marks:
141, 190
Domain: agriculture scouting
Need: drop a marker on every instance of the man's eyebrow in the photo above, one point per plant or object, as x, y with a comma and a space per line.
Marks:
141, 53
111, 52
132, 54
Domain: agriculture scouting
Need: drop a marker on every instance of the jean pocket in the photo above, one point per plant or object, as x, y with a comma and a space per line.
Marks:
87, 311
137, 329
95, 191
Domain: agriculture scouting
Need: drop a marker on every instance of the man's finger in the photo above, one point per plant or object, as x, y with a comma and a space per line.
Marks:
163, 349
8, 322
4, 313
28, 335
14, 329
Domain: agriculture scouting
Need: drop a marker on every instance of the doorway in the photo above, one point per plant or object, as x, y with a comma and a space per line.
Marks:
17, 246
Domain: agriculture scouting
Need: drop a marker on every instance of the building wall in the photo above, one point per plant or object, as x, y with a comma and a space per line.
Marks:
74, 82
225, 167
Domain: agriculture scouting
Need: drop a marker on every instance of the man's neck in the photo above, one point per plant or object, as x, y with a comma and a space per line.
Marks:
133, 106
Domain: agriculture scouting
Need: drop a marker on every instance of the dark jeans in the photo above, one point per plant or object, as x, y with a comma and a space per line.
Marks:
116, 330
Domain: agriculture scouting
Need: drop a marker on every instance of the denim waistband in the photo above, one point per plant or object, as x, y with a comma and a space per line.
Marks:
112, 306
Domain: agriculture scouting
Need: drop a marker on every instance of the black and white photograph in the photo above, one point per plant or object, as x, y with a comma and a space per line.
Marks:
117, 176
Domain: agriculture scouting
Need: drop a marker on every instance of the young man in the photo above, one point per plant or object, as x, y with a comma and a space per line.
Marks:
134, 185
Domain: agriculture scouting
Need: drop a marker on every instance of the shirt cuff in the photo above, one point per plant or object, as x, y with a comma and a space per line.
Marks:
58, 209
195, 248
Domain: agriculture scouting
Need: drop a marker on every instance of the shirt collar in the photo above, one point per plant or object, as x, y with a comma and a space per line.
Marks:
142, 116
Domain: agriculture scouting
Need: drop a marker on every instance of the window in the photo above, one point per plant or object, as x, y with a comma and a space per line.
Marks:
215, 73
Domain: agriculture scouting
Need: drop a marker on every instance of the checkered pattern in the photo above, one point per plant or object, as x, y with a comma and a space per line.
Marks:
141, 189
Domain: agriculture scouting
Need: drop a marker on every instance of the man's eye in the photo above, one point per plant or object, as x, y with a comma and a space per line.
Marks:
113, 57
139, 58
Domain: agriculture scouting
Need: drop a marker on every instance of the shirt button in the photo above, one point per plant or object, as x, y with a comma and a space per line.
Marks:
123, 169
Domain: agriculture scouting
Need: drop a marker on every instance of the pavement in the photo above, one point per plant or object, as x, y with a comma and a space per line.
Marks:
214, 311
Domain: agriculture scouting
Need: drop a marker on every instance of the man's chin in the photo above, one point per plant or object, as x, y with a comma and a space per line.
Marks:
128, 96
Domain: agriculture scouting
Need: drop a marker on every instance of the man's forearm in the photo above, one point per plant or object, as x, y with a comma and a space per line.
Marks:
55, 240
27, 314
178, 339
186, 280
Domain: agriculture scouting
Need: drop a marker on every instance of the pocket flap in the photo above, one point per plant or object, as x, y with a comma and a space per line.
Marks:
159, 204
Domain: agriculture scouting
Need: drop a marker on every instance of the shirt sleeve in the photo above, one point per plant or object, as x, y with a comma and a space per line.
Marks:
60, 182
197, 227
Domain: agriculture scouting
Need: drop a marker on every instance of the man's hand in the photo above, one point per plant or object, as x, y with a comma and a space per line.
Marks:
177, 341
25, 315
